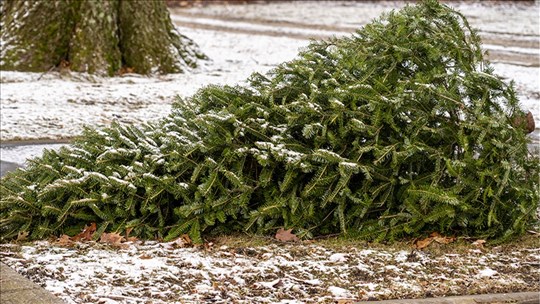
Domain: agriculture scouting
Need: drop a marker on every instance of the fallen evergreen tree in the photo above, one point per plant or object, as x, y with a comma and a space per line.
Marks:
399, 130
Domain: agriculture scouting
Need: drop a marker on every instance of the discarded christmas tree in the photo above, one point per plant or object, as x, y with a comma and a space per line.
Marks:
399, 130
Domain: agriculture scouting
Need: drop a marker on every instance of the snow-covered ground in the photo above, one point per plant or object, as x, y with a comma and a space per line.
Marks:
276, 273
241, 40
54, 105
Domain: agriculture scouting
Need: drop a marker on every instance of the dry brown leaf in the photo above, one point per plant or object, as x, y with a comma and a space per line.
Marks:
183, 241
64, 241
186, 239
112, 238
442, 239
130, 238
208, 246
479, 243
421, 244
126, 70
286, 235
86, 234
433, 237
64, 66
21, 236
145, 257
526, 122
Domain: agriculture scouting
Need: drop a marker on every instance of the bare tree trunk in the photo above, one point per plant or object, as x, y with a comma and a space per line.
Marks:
94, 36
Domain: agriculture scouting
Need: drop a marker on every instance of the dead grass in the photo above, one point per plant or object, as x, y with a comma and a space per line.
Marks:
340, 243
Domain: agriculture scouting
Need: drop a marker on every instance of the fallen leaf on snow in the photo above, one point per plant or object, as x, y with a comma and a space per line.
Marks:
433, 237
442, 239
183, 241
86, 234
112, 238
421, 244
130, 238
286, 235
125, 70
64, 240
208, 246
145, 257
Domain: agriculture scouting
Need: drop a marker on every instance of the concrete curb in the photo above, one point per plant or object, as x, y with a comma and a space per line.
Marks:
16, 289
499, 298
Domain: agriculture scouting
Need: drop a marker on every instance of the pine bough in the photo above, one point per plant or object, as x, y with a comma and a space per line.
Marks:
399, 130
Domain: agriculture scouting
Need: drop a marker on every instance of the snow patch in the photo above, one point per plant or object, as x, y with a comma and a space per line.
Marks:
339, 292
487, 272
338, 258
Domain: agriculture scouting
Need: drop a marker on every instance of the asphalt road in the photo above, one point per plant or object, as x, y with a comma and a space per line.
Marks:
5, 167
15, 153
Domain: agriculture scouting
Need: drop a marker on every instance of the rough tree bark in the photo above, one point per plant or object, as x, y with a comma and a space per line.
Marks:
94, 36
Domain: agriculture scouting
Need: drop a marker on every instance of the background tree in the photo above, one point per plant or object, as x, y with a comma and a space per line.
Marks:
94, 36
